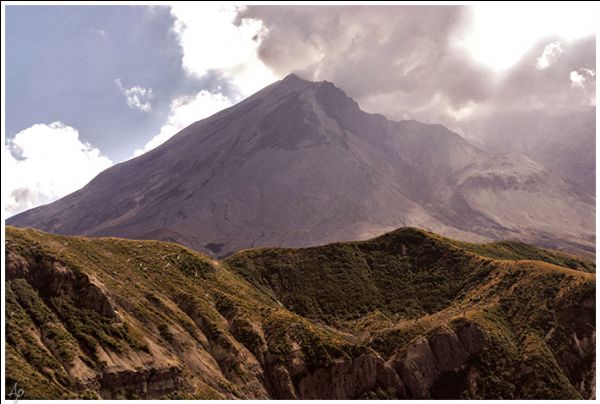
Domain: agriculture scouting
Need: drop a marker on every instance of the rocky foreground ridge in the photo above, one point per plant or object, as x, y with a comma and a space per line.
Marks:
406, 315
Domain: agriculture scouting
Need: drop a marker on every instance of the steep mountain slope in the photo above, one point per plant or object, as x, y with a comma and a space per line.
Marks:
564, 143
300, 164
406, 315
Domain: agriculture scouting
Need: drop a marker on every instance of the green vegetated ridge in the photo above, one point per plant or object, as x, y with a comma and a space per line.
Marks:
408, 314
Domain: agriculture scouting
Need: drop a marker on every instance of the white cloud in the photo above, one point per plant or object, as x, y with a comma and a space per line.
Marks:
100, 32
583, 83
45, 162
183, 112
137, 97
577, 79
521, 26
580, 77
551, 53
211, 40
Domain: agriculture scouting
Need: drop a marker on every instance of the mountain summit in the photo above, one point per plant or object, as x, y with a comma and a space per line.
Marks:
299, 163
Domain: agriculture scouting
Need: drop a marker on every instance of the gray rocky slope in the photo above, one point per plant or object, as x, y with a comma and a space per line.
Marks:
299, 163
564, 143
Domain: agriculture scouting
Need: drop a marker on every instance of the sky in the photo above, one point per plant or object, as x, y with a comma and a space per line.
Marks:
90, 86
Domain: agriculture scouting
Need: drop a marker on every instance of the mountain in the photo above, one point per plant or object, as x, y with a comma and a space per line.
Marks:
300, 164
409, 314
564, 143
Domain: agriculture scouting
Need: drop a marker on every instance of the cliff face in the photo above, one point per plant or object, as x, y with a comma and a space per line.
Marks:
112, 318
423, 361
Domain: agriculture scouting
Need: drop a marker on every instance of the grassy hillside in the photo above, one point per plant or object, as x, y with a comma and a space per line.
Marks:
116, 318
154, 306
394, 288
407, 273
516, 250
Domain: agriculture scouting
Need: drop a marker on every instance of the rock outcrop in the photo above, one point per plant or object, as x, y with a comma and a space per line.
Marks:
53, 278
342, 379
143, 384
421, 362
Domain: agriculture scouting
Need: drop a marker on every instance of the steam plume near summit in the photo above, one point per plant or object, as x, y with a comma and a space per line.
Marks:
411, 62
408, 61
